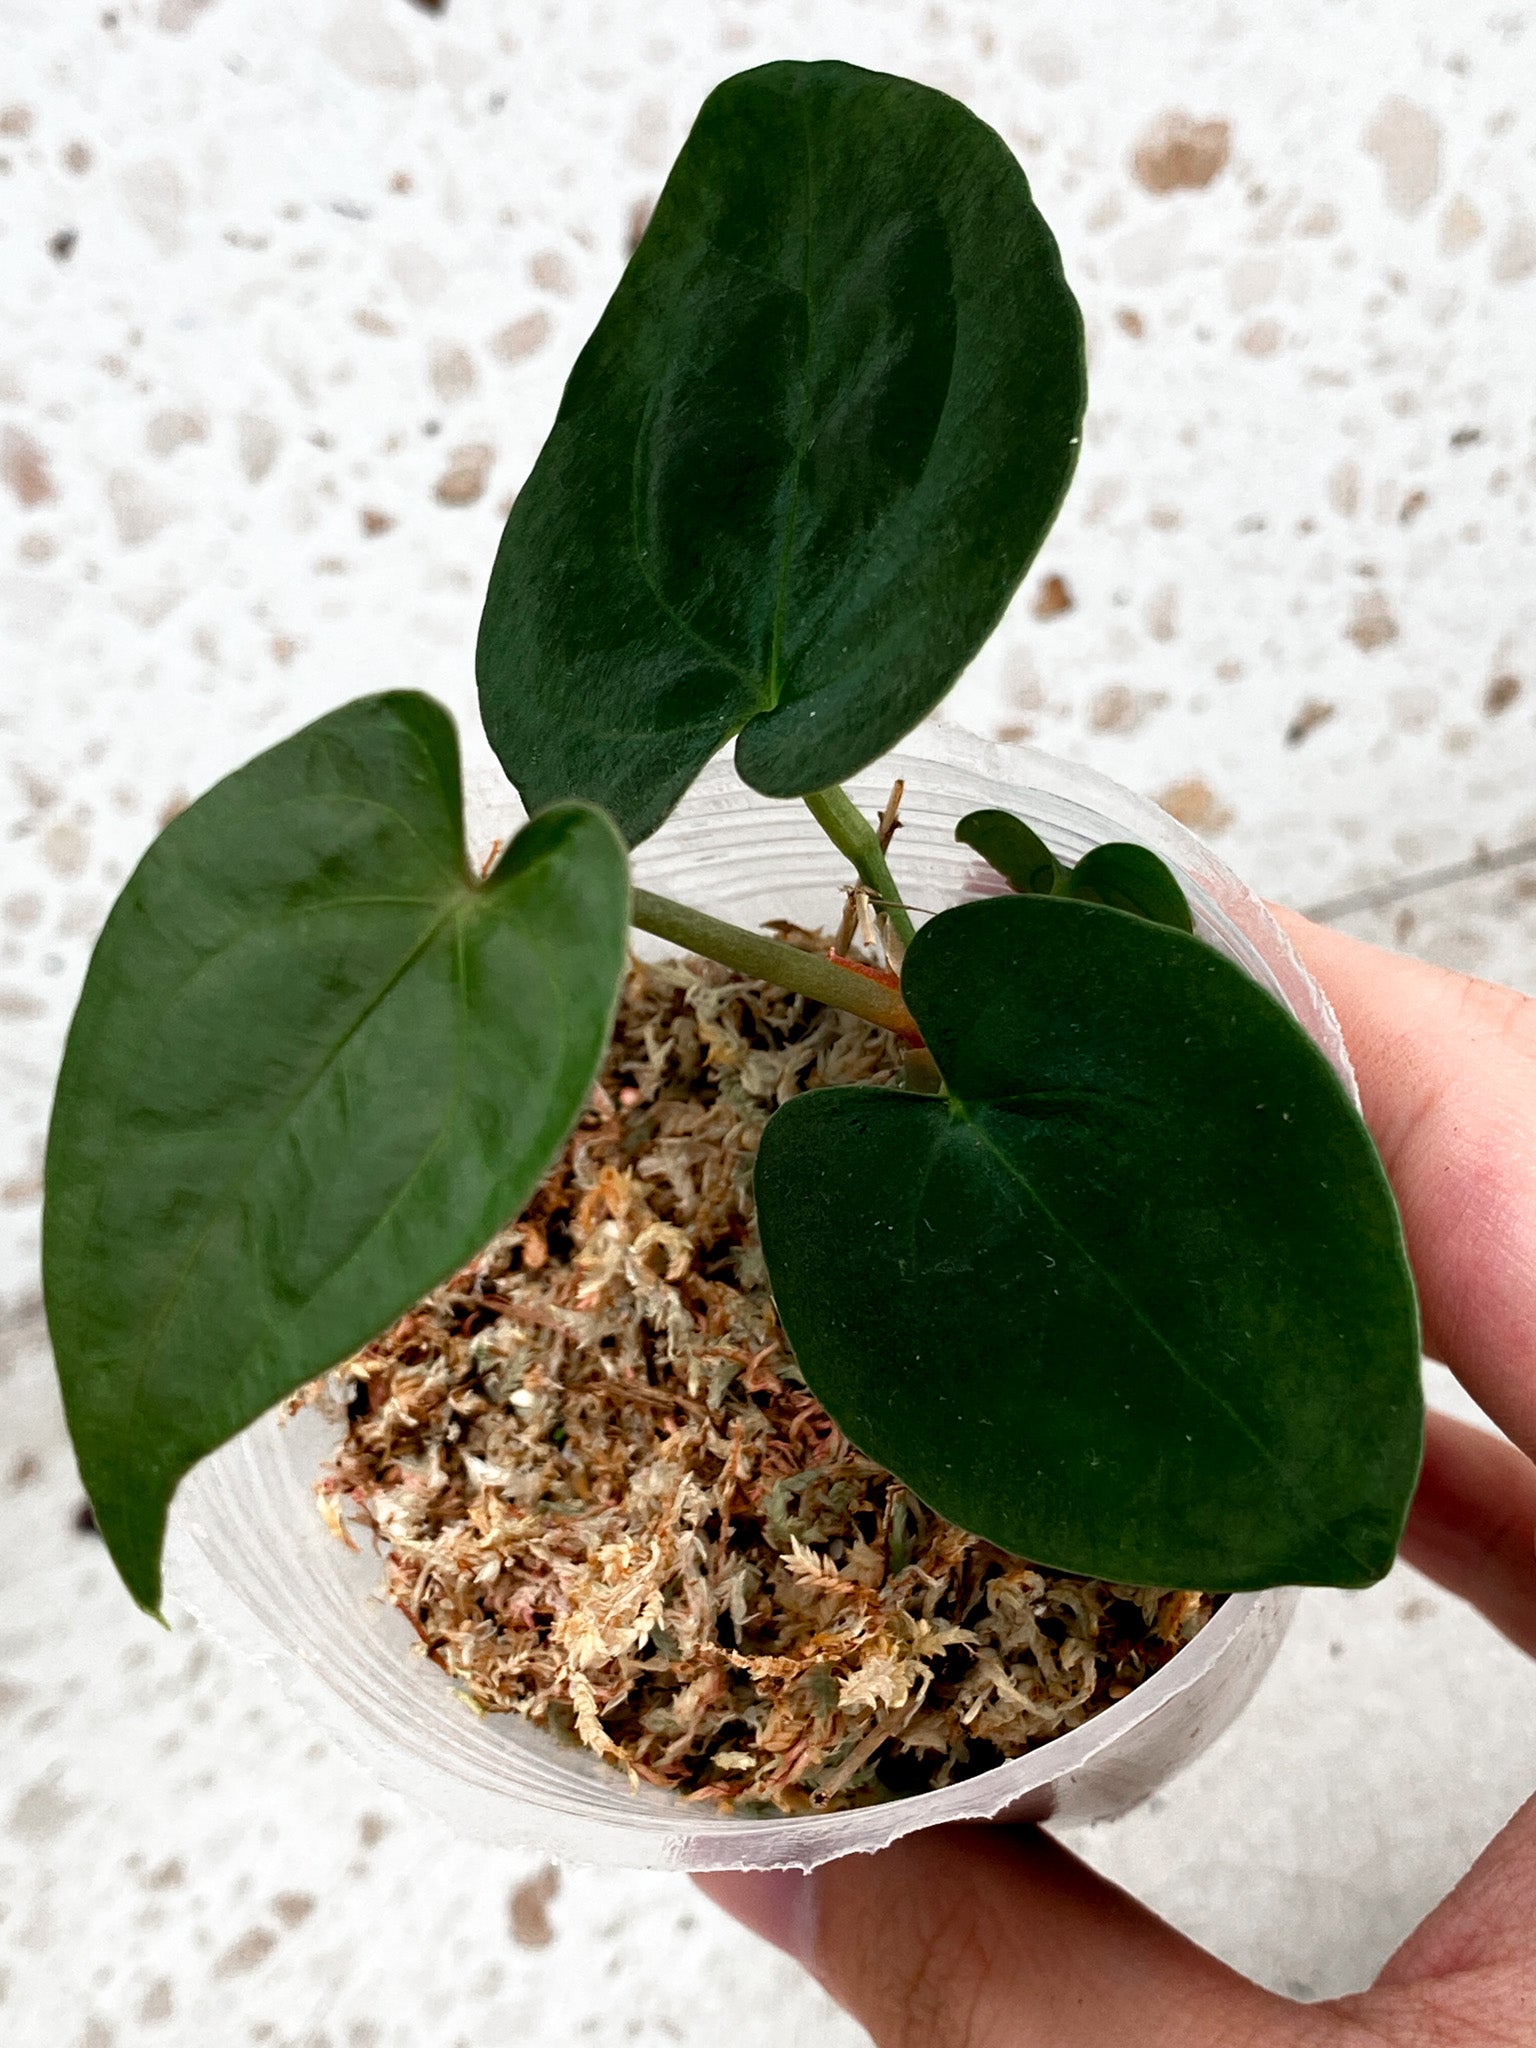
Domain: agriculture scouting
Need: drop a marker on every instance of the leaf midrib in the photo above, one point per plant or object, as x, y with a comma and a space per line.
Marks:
250, 1160
769, 688
556, 996
961, 1111
775, 685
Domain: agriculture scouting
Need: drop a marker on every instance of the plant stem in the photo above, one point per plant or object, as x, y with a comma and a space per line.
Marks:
765, 959
851, 833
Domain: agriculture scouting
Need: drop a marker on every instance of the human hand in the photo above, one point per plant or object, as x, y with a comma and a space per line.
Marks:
939, 1939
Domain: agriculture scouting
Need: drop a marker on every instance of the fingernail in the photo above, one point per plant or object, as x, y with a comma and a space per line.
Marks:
778, 1905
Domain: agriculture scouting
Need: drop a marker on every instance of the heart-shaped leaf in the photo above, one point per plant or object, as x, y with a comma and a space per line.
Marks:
1132, 1299
315, 1065
1129, 877
1015, 849
814, 442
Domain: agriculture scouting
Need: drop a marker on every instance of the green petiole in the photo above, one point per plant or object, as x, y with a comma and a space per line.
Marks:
805, 974
851, 833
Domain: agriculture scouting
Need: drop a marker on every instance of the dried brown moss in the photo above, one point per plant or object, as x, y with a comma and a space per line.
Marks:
608, 1502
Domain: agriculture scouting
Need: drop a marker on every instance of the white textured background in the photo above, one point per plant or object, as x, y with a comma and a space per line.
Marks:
287, 293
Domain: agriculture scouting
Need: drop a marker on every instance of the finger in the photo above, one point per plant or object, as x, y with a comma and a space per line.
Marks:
996, 1937
1447, 1072
1473, 1524
1467, 1973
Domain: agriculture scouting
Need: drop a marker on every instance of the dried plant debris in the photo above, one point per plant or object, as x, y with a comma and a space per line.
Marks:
609, 1503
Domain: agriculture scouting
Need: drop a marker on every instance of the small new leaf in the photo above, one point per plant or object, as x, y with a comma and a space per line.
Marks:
800, 467
1122, 875
1018, 853
315, 1065
1131, 1299
1129, 877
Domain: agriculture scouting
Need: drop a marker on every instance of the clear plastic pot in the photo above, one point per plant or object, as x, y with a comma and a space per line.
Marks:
251, 1557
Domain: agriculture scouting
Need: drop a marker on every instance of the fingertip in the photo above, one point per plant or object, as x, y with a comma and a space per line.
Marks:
1471, 1528
779, 1906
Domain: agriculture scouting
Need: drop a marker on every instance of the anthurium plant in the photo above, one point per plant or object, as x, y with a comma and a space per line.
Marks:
1115, 1281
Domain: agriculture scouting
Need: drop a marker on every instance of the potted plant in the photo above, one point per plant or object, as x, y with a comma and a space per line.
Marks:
1083, 1267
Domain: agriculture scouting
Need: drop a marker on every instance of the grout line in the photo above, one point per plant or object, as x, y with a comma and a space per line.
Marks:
1383, 893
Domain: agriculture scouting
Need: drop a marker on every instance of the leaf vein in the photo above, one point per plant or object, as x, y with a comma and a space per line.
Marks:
637, 548
1217, 1400
802, 433
235, 1184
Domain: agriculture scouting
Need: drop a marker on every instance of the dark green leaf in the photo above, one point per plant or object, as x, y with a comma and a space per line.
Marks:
820, 431
315, 1066
1132, 1301
1132, 878
1006, 843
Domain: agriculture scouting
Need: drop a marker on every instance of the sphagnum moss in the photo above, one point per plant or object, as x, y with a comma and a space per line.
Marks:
608, 1502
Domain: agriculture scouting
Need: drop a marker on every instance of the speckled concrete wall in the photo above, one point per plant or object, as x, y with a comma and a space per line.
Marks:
289, 292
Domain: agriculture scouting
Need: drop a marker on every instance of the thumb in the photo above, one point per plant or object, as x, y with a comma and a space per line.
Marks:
996, 1937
